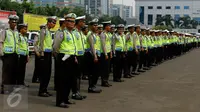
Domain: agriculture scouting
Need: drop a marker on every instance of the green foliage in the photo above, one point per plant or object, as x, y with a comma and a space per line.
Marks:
162, 27
29, 7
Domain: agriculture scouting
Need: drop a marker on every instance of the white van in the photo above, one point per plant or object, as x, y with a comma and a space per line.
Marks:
31, 37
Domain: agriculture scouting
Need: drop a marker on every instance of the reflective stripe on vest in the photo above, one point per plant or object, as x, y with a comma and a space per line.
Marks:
68, 45
22, 46
48, 42
11, 42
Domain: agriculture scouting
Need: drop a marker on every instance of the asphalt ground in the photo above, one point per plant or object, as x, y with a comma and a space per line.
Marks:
172, 86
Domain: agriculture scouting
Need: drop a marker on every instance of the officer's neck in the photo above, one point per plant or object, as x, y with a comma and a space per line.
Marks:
78, 27
12, 28
69, 29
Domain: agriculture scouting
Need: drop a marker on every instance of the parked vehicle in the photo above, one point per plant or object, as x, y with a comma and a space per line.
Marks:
31, 36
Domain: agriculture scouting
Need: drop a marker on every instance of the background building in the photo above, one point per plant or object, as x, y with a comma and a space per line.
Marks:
123, 11
59, 3
98, 7
148, 10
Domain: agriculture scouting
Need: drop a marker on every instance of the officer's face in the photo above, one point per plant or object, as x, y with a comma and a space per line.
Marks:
138, 29
52, 23
82, 23
23, 30
108, 28
120, 30
131, 29
112, 30
12, 23
70, 22
100, 30
94, 27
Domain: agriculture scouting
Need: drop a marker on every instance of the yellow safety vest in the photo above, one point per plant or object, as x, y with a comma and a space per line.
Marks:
79, 42
11, 42
22, 46
68, 45
120, 43
129, 43
47, 42
108, 42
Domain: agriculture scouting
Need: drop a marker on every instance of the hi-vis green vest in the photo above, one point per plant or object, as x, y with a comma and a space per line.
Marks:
144, 42
129, 42
96, 42
79, 42
120, 43
148, 40
68, 45
11, 42
47, 42
138, 46
108, 42
22, 46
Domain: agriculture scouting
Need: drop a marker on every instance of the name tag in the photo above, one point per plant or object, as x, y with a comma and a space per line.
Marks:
80, 52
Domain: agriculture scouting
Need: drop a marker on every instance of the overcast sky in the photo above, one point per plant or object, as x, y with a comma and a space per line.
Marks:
126, 2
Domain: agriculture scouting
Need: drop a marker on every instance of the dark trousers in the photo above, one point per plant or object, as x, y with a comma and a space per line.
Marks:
105, 67
21, 69
118, 65
93, 69
55, 72
46, 63
141, 59
9, 70
64, 77
37, 70
132, 61
79, 68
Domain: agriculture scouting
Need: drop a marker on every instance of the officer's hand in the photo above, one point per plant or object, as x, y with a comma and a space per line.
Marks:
38, 54
137, 52
106, 57
142, 49
28, 58
42, 53
147, 52
76, 61
111, 55
1, 53
95, 59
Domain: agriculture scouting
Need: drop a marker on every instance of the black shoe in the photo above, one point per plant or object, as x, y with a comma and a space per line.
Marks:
127, 76
63, 105
135, 73
49, 94
70, 102
141, 70
118, 80
85, 78
76, 96
94, 90
105, 84
36, 81
43, 95
146, 68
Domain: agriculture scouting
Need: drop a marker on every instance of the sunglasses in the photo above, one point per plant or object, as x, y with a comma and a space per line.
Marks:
54, 22
71, 21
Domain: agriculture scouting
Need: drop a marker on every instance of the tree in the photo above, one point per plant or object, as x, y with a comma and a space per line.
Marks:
79, 11
168, 20
117, 20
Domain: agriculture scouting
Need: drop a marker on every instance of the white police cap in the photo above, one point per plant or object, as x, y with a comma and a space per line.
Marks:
132, 25
100, 26
106, 22
70, 15
81, 17
23, 25
62, 19
112, 26
94, 21
120, 26
52, 18
13, 17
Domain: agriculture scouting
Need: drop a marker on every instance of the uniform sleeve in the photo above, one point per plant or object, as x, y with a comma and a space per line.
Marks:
90, 41
59, 36
2, 38
42, 36
35, 43
134, 41
103, 45
114, 39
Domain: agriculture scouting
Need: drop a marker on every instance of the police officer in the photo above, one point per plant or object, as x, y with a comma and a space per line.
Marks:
58, 33
119, 49
8, 52
65, 47
132, 51
23, 53
80, 47
46, 55
37, 69
92, 56
106, 54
